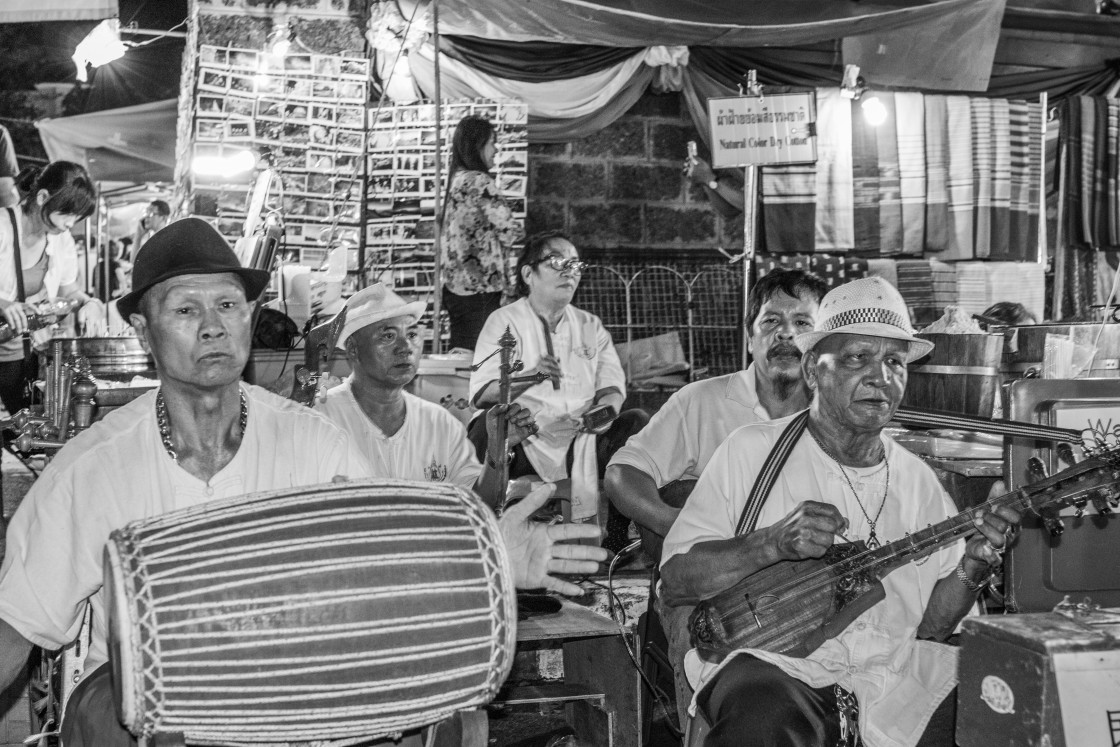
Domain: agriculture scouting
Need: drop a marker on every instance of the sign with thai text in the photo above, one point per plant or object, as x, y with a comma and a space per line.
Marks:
768, 129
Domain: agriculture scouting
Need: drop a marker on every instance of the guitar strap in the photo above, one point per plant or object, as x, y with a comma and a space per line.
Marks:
771, 468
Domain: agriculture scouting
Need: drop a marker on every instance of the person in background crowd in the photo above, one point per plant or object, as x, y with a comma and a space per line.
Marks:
1010, 313
37, 263
843, 481
202, 436
575, 351
156, 216
725, 192
479, 232
406, 437
671, 452
9, 170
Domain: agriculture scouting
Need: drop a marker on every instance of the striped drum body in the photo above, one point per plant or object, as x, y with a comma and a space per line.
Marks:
341, 611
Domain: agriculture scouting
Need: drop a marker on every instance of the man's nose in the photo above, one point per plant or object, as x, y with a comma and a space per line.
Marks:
786, 330
213, 326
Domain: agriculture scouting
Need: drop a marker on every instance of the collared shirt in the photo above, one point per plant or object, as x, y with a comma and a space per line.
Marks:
118, 471
588, 363
479, 231
431, 446
681, 438
898, 680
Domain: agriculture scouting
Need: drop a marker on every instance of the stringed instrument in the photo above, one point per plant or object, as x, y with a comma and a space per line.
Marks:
792, 607
320, 344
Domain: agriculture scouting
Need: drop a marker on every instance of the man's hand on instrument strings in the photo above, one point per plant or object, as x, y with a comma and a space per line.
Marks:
807, 531
995, 530
535, 549
521, 425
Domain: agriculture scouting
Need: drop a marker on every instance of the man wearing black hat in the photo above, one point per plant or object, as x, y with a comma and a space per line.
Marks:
202, 436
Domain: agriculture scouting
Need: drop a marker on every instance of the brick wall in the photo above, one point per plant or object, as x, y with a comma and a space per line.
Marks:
621, 192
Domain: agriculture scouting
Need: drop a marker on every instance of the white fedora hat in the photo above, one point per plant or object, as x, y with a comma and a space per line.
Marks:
868, 306
375, 304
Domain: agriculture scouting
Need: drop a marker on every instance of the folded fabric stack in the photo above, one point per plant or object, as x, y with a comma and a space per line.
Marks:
972, 286
915, 283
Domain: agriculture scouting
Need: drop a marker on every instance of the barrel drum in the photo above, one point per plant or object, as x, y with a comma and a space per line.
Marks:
343, 612
962, 374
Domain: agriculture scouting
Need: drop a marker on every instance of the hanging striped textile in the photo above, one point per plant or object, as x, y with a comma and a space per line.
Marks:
982, 177
835, 230
959, 113
1001, 178
937, 174
1103, 199
865, 183
972, 287
944, 284
1019, 212
912, 170
1036, 114
1113, 171
789, 207
1088, 123
915, 283
890, 188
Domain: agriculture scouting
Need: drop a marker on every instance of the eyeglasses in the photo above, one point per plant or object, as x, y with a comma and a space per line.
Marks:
564, 265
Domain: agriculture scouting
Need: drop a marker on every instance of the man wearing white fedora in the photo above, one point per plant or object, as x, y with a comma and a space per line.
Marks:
404, 436
843, 481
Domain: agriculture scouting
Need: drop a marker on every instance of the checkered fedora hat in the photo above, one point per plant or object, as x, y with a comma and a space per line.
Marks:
868, 306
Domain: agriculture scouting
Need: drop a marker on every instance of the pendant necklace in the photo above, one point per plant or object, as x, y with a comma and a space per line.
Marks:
872, 538
164, 423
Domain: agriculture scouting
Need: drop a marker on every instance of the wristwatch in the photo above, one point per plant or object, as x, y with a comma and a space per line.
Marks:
713, 184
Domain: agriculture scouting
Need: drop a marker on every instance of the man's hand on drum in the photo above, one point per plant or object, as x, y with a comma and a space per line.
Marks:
521, 424
807, 531
536, 550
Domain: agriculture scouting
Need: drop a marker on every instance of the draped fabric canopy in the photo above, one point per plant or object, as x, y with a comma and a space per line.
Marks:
29, 11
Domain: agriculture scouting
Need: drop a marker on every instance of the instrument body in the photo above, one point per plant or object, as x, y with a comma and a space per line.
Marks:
792, 607
337, 611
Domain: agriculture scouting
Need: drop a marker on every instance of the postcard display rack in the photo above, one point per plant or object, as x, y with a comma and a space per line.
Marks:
305, 115
400, 194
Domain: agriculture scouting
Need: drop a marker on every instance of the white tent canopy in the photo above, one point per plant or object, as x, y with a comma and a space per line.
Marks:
28, 11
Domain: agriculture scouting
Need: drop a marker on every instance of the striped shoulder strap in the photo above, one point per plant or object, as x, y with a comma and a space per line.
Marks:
771, 468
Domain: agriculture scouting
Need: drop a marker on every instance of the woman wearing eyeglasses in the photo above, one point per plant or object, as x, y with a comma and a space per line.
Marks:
578, 408
479, 232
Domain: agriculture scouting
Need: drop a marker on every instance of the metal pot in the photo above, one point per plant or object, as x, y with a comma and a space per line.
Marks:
107, 356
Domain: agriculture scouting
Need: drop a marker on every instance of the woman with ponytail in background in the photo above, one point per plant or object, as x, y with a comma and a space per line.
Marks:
38, 262
479, 232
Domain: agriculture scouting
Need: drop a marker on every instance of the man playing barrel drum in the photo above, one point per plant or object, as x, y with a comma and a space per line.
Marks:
202, 436
670, 453
404, 436
843, 481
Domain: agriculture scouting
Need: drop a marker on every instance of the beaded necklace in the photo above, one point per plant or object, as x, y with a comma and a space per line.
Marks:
164, 423
872, 538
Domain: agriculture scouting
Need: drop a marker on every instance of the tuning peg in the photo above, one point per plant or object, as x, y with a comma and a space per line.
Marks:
1037, 469
1065, 453
1101, 502
1054, 525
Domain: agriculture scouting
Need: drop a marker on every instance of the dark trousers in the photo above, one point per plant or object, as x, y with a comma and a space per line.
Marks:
467, 315
15, 378
625, 425
752, 703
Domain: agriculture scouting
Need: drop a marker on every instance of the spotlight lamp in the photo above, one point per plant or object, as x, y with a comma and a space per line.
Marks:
103, 45
874, 111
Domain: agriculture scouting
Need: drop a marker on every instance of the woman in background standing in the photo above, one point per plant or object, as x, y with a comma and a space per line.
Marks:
38, 262
479, 232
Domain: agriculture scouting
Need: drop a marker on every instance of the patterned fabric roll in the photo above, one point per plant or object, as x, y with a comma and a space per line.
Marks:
944, 284
1001, 177
887, 269
890, 190
982, 165
789, 207
855, 268
835, 231
865, 183
912, 170
1019, 221
829, 268
959, 114
937, 174
915, 283
767, 263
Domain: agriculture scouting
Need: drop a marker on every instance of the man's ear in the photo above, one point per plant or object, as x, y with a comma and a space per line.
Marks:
140, 324
809, 369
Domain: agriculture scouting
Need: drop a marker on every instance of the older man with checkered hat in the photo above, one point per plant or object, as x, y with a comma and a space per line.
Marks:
404, 436
842, 480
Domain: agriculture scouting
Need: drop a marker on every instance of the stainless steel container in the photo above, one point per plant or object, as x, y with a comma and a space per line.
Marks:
109, 357
1024, 347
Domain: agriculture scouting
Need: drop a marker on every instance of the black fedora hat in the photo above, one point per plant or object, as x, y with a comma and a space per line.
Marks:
190, 246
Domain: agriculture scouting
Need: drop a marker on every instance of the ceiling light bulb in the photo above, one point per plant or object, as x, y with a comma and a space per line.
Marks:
100, 47
873, 111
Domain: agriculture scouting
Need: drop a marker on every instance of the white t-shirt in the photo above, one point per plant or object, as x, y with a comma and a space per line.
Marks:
898, 680
117, 472
431, 446
62, 262
681, 438
588, 363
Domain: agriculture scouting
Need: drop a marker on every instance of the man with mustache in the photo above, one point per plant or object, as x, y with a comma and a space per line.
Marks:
672, 451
